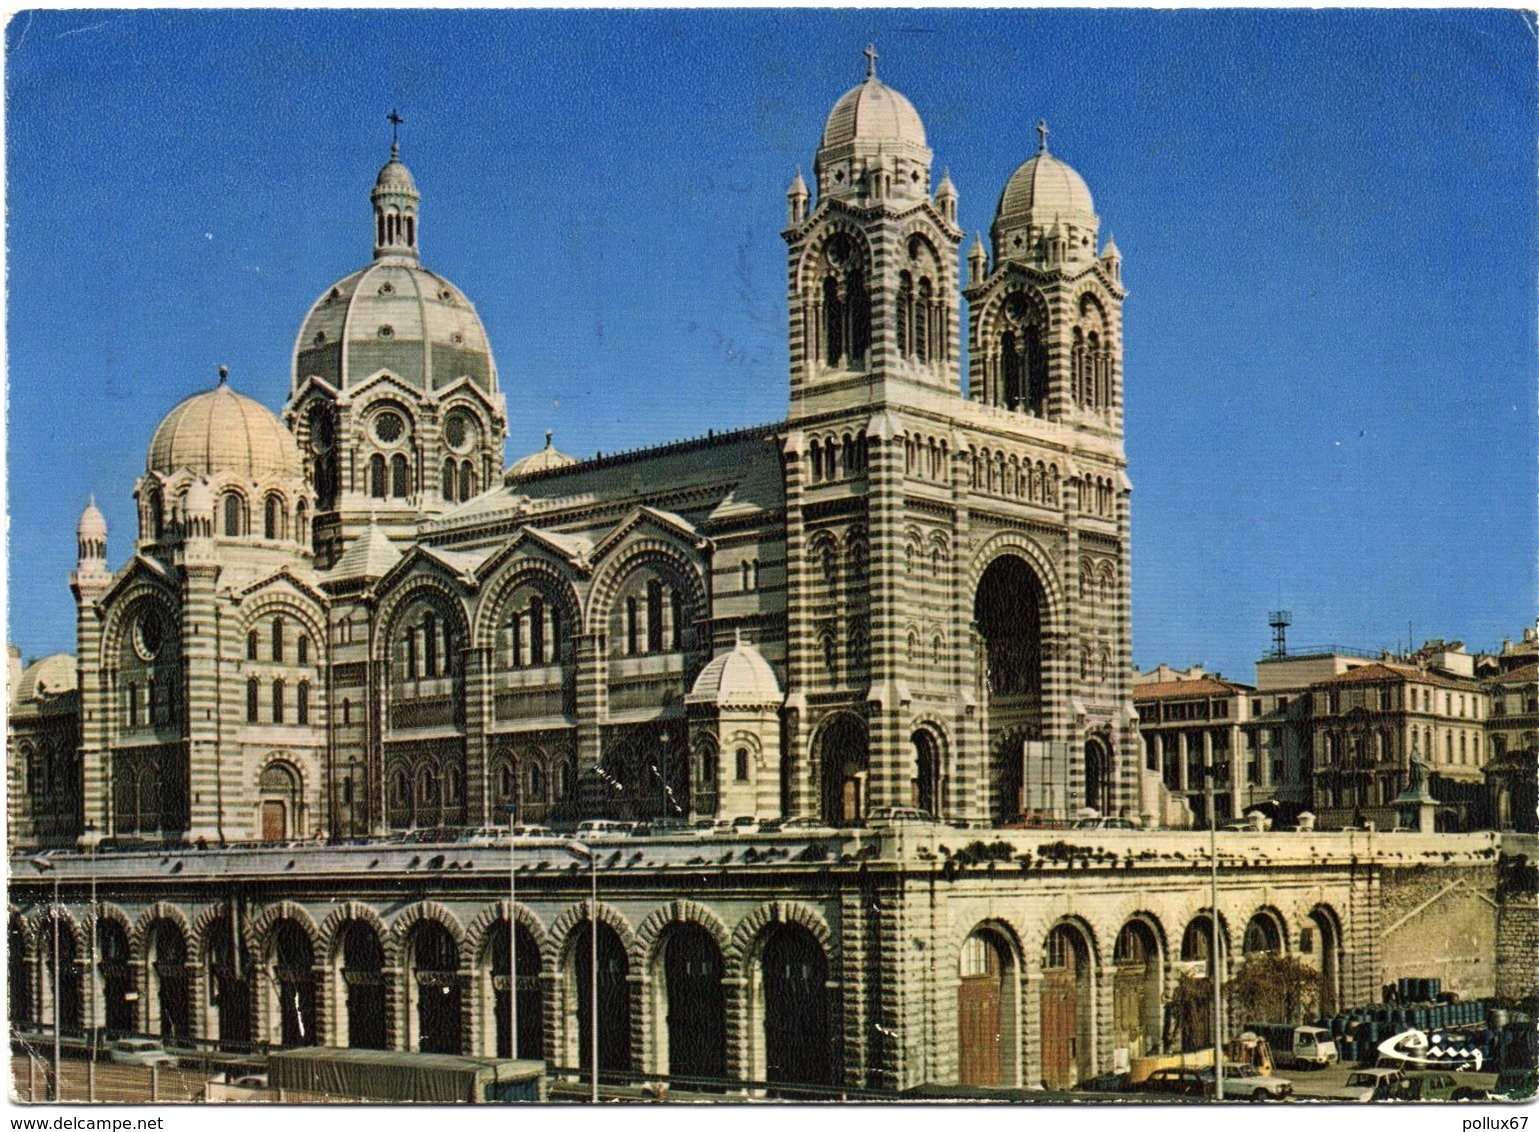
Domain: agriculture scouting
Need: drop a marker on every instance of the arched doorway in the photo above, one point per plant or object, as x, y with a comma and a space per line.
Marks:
280, 802
693, 1039
987, 1053
531, 1029
1137, 989
795, 1004
117, 978
19, 987
363, 984
614, 998
1099, 788
927, 773
843, 763
1007, 614
168, 978
1324, 936
434, 982
293, 983
1068, 1035
1192, 1012
229, 983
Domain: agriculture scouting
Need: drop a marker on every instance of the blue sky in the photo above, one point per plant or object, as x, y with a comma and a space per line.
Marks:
1327, 223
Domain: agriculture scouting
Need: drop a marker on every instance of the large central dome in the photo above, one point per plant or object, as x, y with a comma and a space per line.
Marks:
873, 146
873, 112
395, 314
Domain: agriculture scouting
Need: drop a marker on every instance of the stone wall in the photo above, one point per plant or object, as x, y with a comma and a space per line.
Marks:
1440, 923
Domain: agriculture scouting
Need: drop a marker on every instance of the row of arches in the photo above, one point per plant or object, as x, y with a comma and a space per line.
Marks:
279, 521
836, 457
1014, 477
427, 984
1075, 979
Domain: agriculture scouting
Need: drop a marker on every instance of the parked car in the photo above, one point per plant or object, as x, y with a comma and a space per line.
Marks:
140, 1051
1177, 1082
598, 829
1433, 1086
803, 824
1104, 823
1246, 1082
1368, 1085
897, 815
485, 835
745, 825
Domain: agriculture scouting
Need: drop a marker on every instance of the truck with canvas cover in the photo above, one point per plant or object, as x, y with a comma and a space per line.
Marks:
404, 1078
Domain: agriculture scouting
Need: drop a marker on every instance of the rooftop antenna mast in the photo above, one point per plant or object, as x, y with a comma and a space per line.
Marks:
1279, 620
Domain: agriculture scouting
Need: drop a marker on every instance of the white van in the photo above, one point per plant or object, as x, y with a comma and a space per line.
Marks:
598, 829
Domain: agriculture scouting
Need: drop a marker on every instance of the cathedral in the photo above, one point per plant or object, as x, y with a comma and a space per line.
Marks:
912, 592
897, 622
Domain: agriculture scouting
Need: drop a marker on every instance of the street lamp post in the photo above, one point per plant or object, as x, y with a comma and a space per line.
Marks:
578, 849
512, 930
662, 739
1218, 1009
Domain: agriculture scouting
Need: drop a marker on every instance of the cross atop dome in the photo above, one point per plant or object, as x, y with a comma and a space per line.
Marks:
871, 58
1042, 135
395, 121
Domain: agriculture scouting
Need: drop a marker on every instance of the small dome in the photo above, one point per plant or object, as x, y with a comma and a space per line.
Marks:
93, 524
221, 431
542, 461
739, 678
798, 186
395, 176
1110, 250
873, 112
43, 679
1044, 188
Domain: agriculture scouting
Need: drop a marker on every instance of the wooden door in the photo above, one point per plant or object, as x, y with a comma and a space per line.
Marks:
272, 821
978, 1023
1128, 990
1060, 1029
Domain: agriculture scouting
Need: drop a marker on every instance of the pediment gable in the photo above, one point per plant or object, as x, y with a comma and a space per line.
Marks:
650, 520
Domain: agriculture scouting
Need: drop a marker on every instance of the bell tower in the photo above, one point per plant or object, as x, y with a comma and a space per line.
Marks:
873, 286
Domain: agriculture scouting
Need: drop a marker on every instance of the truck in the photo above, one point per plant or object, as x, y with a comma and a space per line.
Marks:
1296, 1047
386, 1076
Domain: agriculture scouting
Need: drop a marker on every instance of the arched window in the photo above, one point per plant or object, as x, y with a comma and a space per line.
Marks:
905, 313
922, 326
448, 480
253, 699
411, 653
741, 764
302, 705
677, 599
234, 516
755, 573
630, 626
536, 632
745, 577
833, 321
411, 230
377, 485
555, 634
278, 640
536, 782
347, 713
654, 616
251, 645
157, 516
815, 459
133, 705
301, 522
302, 649
429, 645
400, 477
272, 518
467, 481
277, 701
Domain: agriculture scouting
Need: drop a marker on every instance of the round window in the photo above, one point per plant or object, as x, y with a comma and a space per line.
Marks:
388, 427
387, 288
387, 332
459, 430
149, 633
